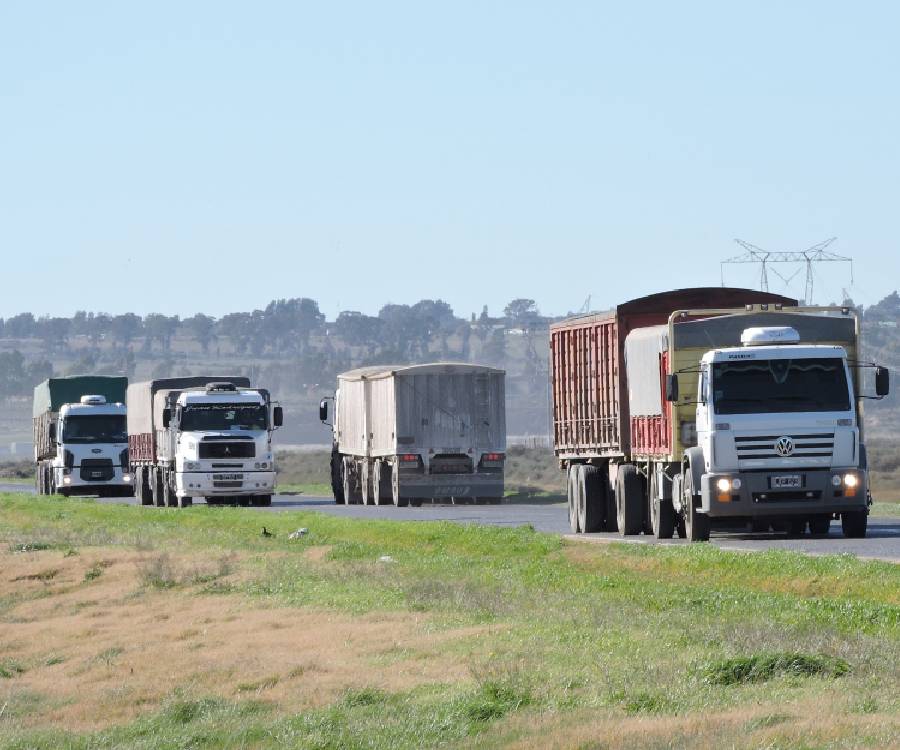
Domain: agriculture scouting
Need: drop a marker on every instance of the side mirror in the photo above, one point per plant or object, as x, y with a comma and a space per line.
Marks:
882, 381
323, 410
278, 416
671, 387
167, 418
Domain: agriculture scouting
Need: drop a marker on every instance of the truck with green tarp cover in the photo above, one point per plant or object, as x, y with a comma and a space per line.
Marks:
80, 437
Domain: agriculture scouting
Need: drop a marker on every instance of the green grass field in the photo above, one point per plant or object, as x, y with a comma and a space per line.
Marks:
123, 626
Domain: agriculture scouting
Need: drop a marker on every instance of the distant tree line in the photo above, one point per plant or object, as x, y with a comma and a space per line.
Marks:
292, 330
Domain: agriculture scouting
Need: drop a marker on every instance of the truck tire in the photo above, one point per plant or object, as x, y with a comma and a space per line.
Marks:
261, 501
157, 485
662, 512
610, 520
185, 502
572, 495
629, 500
351, 492
400, 502
696, 524
169, 499
796, 527
819, 524
854, 523
366, 488
143, 481
337, 481
592, 499
381, 483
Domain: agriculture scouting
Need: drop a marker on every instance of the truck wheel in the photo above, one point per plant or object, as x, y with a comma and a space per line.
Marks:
381, 483
368, 491
696, 524
157, 483
261, 501
593, 499
351, 494
610, 518
572, 495
400, 502
796, 527
662, 512
819, 525
629, 500
854, 523
146, 492
337, 481
169, 499
185, 502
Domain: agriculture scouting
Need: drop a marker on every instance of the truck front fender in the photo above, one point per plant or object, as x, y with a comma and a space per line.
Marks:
694, 462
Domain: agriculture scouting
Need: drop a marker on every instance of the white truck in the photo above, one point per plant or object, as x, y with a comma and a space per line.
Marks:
692, 408
779, 434
80, 437
404, 434
202, 436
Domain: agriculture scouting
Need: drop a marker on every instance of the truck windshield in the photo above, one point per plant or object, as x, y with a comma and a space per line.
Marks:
96, 428
780, 385
224, 417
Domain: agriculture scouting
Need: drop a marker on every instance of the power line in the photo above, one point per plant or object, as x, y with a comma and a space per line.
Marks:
815, 254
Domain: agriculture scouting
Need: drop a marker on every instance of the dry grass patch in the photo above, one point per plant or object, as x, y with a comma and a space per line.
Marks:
103, 650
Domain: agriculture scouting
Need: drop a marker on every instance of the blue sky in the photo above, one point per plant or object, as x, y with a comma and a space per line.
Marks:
184, 157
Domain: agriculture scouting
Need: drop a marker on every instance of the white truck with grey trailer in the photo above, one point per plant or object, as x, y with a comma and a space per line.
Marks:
404, 434
202, 436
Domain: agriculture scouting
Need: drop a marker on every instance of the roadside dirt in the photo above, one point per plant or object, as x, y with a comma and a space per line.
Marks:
98, 646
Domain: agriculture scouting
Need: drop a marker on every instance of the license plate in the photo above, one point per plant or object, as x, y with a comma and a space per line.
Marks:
790, 481
227, 477
96, 474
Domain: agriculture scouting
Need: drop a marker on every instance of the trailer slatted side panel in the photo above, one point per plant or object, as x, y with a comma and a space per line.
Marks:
586, 388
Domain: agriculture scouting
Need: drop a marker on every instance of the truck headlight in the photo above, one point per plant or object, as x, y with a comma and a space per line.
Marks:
126, 477
724, 485
190, 465
836, 480
851, 480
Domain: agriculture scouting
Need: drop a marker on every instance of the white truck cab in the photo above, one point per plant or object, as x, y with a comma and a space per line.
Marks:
779, 432
92, 449
222, 443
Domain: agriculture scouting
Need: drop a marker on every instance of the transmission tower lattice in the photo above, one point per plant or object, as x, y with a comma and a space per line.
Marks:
814, 254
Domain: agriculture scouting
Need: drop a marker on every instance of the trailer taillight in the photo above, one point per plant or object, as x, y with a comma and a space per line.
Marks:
492, 457
409, 458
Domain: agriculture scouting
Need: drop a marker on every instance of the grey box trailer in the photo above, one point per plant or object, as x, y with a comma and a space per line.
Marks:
406, 433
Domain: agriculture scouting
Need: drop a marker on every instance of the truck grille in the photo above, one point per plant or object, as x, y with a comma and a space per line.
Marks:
801, 446
97, 469
228, 450
230, 484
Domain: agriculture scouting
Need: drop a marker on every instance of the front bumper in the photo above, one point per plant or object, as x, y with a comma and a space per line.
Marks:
75, 484
757, 499
224, 484
451, 485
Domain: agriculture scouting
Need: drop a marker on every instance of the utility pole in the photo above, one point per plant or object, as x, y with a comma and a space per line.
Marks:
805, 258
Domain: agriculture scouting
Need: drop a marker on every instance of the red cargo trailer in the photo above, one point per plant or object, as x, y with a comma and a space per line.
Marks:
593, 429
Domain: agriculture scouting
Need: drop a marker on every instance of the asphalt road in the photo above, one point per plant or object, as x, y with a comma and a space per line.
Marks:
882, 541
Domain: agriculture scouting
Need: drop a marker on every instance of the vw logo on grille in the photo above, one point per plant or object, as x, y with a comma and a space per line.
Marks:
784, 446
